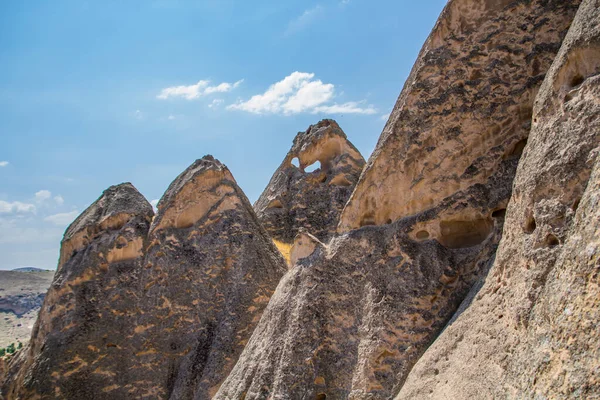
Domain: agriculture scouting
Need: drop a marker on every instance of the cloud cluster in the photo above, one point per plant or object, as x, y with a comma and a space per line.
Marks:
3, 163
16, 207
197, 90
62, 219
296, 93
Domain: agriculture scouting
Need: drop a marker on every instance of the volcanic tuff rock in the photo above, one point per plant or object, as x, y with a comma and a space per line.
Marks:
78, 347
296, 199
209, 271
352, 317
532, 329
464, 110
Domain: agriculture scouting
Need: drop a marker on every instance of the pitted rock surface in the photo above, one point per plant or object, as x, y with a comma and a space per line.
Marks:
351, 319
296, 199
464, 110
78, 347
209, 271
532, 329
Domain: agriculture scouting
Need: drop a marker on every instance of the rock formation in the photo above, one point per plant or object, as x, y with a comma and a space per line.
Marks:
532, 329
465, 109
297, 199
352, 317
78, 348
209, 271
429, 286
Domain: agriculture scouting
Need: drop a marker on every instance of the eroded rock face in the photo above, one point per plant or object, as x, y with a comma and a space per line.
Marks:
464, 111
351, 318
313, 200
209, 271
78, 347
532, 329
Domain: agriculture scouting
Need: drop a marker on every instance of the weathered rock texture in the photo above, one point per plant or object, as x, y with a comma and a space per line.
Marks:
464, 110
532, 329
352, 317
297, 199
78, 348
209, 271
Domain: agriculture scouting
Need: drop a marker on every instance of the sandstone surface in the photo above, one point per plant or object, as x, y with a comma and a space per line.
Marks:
532, 329
296, 199
78, 348
209, 272
465, 109
352, 316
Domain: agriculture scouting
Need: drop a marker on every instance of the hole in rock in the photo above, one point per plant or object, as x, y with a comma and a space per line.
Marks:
568, 98
462, 234
552, 240
576, 204
388, 221
501, 213
577, 80
321, 396
530, 225
422, 235
296, 162
313, 167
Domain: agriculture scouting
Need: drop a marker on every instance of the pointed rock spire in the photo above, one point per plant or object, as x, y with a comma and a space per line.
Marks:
295, 198
78, 347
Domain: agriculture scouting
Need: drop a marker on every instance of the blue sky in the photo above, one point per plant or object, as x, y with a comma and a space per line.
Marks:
95, 93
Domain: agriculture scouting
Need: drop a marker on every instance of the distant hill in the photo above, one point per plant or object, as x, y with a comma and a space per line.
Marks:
29, 269
21, 294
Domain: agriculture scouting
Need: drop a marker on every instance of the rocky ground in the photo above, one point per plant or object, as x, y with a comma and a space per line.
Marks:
21, 296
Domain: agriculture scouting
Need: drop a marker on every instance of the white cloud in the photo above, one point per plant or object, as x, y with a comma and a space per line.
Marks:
43, 195
296, 93
201, 88
385, 117
62, 219
154, 203
350, 107
171, 117
16, 207
59, 200
308, 17
3, 163
215, 103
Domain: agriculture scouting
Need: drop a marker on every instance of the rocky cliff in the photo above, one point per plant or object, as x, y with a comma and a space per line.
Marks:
296, 199
144, 307
531, 331
78, 347
209, 271
464, 264
352, 316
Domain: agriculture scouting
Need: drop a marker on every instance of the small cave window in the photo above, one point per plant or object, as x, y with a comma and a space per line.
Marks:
321, 396
552, 240
422, 235
577, 80
530, 225
500, 213
313, 167
296, 162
